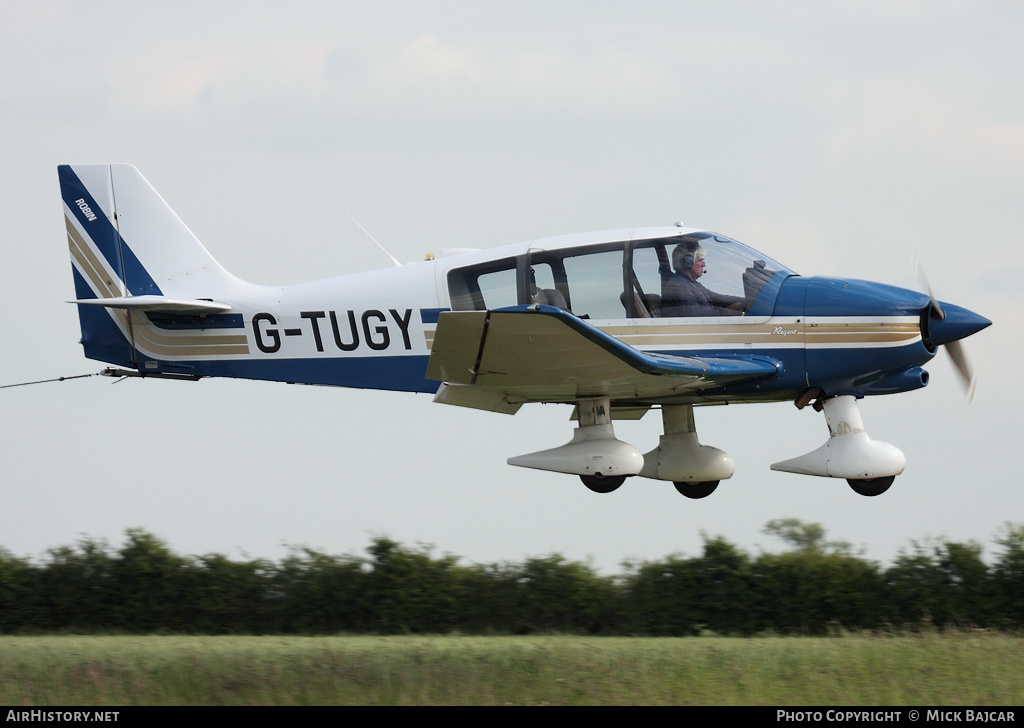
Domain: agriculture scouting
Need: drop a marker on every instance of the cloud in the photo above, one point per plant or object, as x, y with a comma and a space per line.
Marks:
428, 60
226, 76
910, 119
440, 78
426, 74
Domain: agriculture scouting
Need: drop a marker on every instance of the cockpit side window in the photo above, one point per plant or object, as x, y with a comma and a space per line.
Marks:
703, 274
655, 278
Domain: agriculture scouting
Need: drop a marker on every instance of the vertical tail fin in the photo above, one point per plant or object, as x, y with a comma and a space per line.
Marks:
130, 253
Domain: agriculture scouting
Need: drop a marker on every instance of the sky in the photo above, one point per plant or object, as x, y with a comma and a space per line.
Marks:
839, 138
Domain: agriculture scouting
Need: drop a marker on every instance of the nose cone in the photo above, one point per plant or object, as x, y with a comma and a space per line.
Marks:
958, 323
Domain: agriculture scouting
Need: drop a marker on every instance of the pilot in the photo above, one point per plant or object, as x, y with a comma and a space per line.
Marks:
684, 295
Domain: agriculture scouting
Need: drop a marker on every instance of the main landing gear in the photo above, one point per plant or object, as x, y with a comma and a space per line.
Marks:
694, 469
603, 462
871, 486
696, 490
869, 466
603, 483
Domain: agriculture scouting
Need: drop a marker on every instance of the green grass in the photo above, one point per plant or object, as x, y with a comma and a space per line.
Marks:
967, 668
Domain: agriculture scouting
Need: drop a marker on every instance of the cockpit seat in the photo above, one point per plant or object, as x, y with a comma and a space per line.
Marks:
550, 297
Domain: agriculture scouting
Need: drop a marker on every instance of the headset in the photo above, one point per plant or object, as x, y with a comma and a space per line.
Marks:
684, 258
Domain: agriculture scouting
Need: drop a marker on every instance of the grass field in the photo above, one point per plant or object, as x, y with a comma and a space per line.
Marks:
968, 668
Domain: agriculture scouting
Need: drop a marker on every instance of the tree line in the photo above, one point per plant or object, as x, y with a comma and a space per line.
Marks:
815, 587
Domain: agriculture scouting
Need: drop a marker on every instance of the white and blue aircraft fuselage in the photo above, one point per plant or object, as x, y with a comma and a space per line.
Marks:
615, 323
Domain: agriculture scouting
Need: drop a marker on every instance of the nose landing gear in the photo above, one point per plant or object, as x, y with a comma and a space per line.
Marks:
869, 466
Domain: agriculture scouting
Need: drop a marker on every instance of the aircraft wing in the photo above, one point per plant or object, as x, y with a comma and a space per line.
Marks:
543, 353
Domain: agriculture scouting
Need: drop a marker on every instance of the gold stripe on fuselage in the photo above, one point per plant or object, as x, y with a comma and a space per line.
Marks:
874, 331
870, 332
148, 338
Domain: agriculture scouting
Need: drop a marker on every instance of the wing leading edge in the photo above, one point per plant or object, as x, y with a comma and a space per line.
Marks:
545, 354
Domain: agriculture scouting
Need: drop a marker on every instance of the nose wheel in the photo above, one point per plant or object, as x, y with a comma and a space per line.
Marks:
849, 452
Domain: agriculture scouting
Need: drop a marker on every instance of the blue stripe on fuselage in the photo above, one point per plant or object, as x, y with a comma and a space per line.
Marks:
165, 320
430, 315
856, 371
397, 373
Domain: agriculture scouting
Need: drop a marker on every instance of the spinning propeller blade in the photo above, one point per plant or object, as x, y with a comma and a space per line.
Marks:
963, 368
936, 306
946, 326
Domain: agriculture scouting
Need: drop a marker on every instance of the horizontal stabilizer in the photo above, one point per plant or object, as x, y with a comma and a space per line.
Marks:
196, 307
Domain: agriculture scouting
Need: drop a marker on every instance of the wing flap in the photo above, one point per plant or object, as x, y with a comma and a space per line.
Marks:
465, 395
455, 353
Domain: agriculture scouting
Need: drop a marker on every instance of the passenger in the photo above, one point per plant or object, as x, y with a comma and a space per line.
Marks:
683, 295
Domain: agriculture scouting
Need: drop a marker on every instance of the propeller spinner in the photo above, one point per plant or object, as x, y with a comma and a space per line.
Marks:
943, 324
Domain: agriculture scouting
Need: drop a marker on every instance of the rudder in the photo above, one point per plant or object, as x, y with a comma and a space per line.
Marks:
126, 242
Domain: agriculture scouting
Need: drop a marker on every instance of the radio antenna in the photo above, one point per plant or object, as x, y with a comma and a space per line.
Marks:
393, 258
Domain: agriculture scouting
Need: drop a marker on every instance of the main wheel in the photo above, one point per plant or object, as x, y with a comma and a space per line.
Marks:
603, 483
871, 486
696, 490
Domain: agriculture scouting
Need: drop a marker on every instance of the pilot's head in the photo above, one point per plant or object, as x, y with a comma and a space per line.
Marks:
688, 259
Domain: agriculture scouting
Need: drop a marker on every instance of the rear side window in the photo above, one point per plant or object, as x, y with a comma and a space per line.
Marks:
486, 286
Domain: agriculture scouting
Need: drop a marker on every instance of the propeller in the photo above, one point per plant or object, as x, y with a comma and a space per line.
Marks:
967, 378
945, 324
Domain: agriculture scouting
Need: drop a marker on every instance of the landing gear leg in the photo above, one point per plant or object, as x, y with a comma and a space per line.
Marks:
869, 466
601, 460
694, 469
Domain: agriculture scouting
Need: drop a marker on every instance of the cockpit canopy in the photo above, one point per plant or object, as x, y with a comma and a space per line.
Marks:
692, 274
